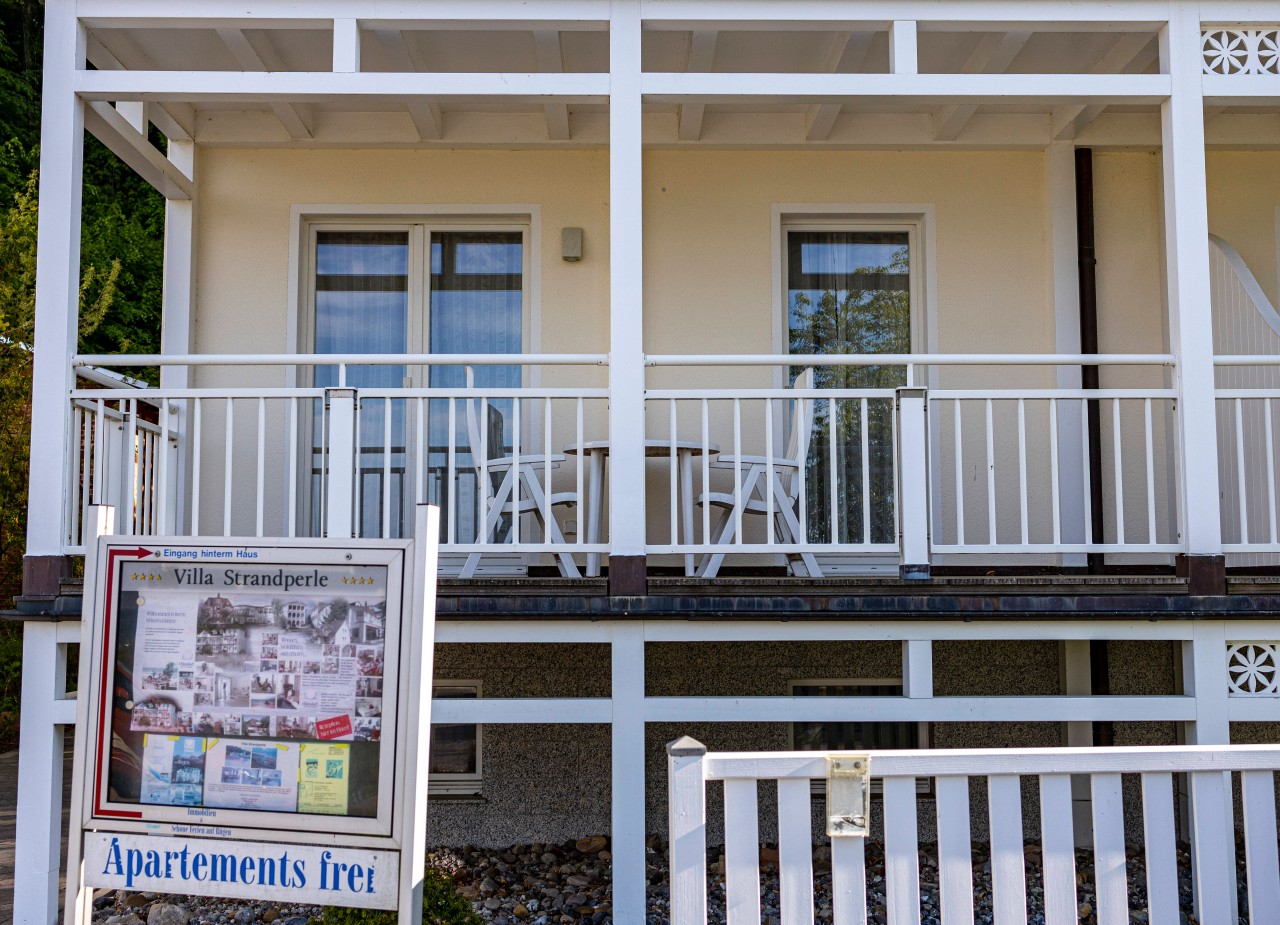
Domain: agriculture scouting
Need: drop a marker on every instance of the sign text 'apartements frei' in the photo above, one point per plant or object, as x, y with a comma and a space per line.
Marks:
245, 727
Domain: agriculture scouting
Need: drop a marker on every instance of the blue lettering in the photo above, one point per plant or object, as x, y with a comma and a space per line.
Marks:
113, 857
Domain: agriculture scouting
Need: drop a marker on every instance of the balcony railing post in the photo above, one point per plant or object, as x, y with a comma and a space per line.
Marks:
913, 483
341, 466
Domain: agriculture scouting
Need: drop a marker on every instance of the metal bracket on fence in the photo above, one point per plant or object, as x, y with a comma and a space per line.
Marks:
848, 792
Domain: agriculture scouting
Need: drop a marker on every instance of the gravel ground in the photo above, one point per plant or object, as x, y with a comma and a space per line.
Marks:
570, 885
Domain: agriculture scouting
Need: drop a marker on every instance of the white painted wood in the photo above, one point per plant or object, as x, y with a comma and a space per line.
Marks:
1112, 887
175, 120
521, 710
1187, 272
917, 668
340, 462
913, 487
687, 825
346, 45
1160, 838
795, 852
626, 282
1212, 851
1057, 842
1132, 52
955, 858
902, 47
849, 881
546, 44
702, 53
993, 55
255, 53
741, 852
901, 862
848, 51
405, 57
1261, 857
133, 147
895, 631
1008, 871
627, 804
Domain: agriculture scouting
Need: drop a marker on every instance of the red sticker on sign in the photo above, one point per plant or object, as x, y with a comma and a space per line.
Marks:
333, 728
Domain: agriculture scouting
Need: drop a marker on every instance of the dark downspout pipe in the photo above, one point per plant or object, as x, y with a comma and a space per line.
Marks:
1099, 660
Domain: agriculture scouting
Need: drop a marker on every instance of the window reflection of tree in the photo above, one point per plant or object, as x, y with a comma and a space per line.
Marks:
865, 311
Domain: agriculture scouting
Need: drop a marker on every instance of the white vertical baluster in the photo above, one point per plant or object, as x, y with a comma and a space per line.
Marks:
99, 453
1161, 854
291, 474
706, 470
1271, 469
865, 449
1151, 474
802, 500
1088, 479
832, 469
260, 503
1057, 841
386, 469
579, 486
1110, 879
795, 851
482, 536
228, 465
1023, 488
1241, 482
546, 462
741, 852
896, 468
955, 859
959, 461
451, 470
196, 456
849, 881
129, 463
768, 472
162, 471
1008, 872
992, 533
673, 477
1212, 854
516, 433
420, 454
901, 859
86, 469
1117, 453
1258, 798
1055, 490
737, 470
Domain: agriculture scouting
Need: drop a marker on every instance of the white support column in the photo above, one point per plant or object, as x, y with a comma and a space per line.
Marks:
38, 839
57, 275
626, 290
1076, 679
628, 798
346, 46
902, 47
177, 326
917, 668
1187, 270
913, 463
341, 463
1064, 300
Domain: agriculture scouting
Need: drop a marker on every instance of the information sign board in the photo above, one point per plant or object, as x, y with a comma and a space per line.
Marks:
247, 707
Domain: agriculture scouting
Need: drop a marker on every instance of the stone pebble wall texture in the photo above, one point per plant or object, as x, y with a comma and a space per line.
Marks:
551, 783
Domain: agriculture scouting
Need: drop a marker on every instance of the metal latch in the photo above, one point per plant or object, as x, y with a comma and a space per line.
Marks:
848, 791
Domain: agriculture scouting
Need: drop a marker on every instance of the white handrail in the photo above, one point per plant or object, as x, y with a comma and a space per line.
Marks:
907, 359
340, 359
1247, 359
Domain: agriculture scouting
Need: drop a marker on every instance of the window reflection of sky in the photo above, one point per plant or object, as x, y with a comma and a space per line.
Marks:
846, 257
480, 257
362, 259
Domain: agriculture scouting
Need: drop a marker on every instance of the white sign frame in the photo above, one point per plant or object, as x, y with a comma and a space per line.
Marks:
397, 833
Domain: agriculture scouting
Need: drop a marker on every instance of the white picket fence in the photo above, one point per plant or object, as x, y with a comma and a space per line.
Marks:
1208, 771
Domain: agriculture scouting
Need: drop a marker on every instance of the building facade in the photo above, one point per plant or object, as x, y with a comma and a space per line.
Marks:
822, 374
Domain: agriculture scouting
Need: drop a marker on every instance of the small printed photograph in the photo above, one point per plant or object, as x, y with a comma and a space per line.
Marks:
295, 727
257, 725
368, 729
238, 757
271, 778
271, 639
368, 706
272, 651
331, 666
264, 757
160, 678
349, 651
289, 666
312, 667
289, 695
252, 777
369, 687
333, 769
369, 661
154, 715
232, 725
264, 682
204, 698
267, 664
331, 649
312, 769
207, 724
188, 763
186, 680
187, 794
204, 684
204, 669
230, 775
186, 722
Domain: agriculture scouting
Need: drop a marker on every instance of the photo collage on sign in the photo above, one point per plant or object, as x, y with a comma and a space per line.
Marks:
250, 701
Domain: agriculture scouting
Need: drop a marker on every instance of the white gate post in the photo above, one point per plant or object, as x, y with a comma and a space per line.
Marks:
687, 830
627, 816
342, 463
913, 483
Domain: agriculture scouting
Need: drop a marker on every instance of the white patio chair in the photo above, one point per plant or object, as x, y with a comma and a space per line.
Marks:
506, 489
753, 495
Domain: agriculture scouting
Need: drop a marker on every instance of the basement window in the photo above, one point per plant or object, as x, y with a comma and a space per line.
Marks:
456, 768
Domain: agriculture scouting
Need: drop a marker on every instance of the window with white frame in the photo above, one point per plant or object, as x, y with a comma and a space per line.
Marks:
456, 760
396, 286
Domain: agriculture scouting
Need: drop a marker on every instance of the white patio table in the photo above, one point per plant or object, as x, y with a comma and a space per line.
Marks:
598, 452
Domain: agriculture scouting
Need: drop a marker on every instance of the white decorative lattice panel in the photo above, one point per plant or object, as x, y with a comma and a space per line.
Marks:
1253, 669
1232, 51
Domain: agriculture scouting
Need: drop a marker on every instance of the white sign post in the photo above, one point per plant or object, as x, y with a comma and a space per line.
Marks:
254, 720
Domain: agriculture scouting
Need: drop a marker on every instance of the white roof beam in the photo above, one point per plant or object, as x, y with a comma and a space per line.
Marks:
701, 58
176, 120
406, 57
848, 51
1132, 52
133, 147
254, 52
993, 55
547, 50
